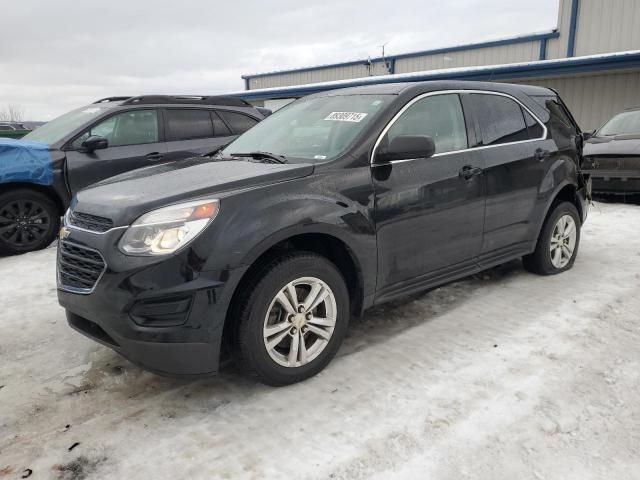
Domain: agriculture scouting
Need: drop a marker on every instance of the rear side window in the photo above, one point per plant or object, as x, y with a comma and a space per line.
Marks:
188, 124
238, 122
220, 129
439, 117
501, 120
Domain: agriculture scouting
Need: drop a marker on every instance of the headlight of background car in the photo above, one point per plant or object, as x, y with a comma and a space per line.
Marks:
167, 229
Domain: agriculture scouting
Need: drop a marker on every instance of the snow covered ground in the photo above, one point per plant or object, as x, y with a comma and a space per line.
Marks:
506, 375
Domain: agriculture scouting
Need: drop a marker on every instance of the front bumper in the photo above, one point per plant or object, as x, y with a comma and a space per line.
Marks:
615, 182
163, 314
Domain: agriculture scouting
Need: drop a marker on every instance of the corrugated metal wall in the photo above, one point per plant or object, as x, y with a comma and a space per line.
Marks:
317, 75
593, 99
520, 52
603, 26
607, 26
557, 47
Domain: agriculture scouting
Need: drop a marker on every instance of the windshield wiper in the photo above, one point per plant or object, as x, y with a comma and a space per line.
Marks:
266, 157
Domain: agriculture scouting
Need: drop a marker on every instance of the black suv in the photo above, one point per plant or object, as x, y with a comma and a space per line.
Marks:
337, 202
40, 173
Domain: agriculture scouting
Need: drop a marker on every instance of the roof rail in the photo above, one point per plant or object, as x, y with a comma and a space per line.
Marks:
112, 99
187, 99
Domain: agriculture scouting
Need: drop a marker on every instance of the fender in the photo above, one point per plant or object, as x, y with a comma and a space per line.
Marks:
284, 215
552, 184
24, 164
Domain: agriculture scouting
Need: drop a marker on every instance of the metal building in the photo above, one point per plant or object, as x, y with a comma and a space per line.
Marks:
592, 58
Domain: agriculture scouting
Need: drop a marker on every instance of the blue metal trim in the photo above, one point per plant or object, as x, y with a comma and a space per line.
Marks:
392, 66
500, 73
573, 25
543, 49
472, 46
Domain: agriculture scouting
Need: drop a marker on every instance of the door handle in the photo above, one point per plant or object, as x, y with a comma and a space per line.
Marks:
541, 155
468, 171
154, 156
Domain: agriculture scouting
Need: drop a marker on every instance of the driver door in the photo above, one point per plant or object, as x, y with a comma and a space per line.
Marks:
429, 212
133, 142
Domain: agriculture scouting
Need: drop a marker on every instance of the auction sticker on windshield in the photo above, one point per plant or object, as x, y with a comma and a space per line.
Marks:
346, 116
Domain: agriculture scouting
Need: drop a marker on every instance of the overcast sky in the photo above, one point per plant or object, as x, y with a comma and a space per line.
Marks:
58, 55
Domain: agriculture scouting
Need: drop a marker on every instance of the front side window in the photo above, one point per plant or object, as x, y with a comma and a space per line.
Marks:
128, 128
439, 117
188, 124
625, 123
500, 118
316, 129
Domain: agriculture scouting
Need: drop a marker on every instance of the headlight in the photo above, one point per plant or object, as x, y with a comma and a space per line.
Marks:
168, 229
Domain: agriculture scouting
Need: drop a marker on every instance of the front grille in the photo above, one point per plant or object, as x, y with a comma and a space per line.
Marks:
90, 222
79, 268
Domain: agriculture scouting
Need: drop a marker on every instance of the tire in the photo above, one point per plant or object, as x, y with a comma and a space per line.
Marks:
29, 220
259, 309
547, 261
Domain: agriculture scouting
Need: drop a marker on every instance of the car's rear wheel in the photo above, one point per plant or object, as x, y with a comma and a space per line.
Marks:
29, 220
558, 243
292, 319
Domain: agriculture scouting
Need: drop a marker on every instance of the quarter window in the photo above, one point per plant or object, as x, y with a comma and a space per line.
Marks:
533, 126
238, 122
128, 128
188, 124
219, 127
439, 117
500, 118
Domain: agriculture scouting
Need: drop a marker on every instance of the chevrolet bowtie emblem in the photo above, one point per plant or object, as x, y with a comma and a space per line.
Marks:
64, 233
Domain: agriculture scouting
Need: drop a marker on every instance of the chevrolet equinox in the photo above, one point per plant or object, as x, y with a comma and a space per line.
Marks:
340, 201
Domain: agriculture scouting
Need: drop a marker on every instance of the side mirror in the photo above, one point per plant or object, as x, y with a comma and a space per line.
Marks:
404, 147
95, 142
587, 135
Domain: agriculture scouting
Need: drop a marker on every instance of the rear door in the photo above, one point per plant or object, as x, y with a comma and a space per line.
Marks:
194, 131
429, 211
134, 141
515, 155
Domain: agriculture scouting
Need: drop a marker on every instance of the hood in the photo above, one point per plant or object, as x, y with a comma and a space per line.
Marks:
125, 197
22, 161
618, 145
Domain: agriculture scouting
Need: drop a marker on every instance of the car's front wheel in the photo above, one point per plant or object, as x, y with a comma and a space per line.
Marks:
29, 220
558, 243
292, 319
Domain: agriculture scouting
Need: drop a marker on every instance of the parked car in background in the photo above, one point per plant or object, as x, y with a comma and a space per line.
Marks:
337, 202
40, 173
612, 155
13, 130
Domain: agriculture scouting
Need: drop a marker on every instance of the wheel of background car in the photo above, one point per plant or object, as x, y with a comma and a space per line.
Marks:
293, 318
558, 243
29, 221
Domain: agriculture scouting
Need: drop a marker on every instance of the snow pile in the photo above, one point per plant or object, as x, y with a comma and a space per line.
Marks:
504, 375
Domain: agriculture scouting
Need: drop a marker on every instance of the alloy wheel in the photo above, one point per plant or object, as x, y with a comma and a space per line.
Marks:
300, 322
23, 223
563, 241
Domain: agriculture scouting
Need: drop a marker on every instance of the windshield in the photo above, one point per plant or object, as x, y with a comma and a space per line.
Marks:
59, 128
625, 123
315, 129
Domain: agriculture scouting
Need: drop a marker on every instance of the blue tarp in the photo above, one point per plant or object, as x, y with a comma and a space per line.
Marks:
23, 161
